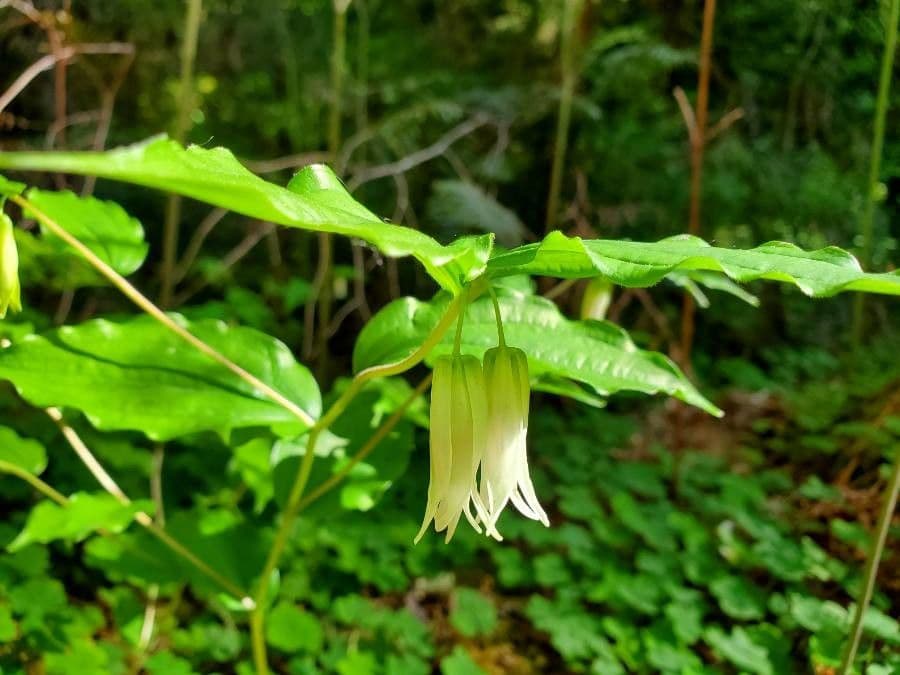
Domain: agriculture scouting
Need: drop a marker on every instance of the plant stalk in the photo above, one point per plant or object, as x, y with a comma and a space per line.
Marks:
698, 147
881, 108
323, 282
293, 505
569, 67
367, 447
172, 221
33, 481
871, 571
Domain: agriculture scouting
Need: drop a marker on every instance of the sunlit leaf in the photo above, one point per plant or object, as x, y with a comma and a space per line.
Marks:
138, 375
315, 199
85, 513
629, 263
26, 453
104, 227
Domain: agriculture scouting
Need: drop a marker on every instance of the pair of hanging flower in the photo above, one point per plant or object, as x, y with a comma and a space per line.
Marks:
479, 422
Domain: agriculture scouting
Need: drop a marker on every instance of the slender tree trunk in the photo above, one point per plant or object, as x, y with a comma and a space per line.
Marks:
698, 146
569, 66
182, 119
881, 107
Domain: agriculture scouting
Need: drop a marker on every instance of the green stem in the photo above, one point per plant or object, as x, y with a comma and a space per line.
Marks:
497, 315
367, 447
33, 481
182, 119
571, 12
881, 107
871, 572
292, 507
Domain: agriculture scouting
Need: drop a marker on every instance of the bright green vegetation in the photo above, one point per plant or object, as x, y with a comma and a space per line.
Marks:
217, 342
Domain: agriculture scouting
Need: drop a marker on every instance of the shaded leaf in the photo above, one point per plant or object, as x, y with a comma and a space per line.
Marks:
460, 205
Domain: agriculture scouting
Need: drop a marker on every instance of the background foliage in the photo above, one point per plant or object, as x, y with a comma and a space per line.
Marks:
679, 544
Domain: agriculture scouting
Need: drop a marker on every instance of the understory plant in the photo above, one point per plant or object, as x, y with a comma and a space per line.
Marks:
488, 339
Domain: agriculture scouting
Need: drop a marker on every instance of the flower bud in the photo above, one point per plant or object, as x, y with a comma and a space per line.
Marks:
10, 294
504, 468
458, 425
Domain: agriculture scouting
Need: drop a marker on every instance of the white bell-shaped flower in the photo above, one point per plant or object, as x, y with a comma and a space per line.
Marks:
504, 467
458, 435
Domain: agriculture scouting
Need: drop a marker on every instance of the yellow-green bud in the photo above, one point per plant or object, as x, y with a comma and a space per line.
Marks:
10, 293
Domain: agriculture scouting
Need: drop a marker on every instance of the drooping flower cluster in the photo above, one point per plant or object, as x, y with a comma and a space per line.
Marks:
479, 424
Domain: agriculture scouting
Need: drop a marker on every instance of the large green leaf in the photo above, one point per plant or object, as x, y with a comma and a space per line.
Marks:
629, 263
104, 227
315, 199
596, 353
138, 375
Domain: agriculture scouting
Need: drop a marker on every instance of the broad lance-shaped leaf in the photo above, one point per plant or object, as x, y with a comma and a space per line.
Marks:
104, 227
138, 375
629, 263
596, 353
315, 199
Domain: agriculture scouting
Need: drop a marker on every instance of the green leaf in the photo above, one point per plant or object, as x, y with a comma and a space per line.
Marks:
26, 453
460, 663
85, 513
138, 375
473, 613
292, 630
7, 625
636, 264
713, 280
104, 227
739, 649
738, 597
460, 205
596, 353
315, 199
10, 187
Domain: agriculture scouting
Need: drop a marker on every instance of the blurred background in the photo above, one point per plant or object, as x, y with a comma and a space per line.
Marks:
679, 544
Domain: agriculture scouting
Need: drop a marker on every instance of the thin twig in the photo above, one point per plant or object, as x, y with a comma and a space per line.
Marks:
687, 113
229, 260
436, 149
48, 61
192, 250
